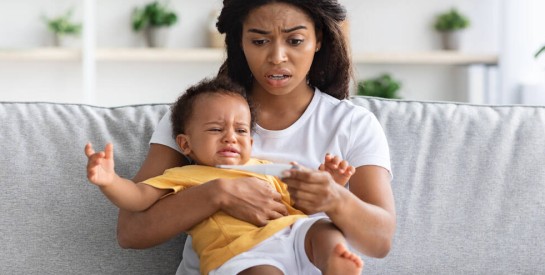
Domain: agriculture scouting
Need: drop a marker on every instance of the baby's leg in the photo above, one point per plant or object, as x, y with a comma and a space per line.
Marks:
326, 248
261, 269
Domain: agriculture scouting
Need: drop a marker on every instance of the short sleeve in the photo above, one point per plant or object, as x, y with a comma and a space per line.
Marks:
367, 142
163, 133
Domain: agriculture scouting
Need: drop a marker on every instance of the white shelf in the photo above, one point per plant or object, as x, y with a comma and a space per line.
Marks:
218, 55
426, 58
40, 54
163, 55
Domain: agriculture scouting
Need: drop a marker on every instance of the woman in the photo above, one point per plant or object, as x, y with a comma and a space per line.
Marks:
292, 57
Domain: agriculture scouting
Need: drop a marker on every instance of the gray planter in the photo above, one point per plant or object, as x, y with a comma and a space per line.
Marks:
451, 40
157, 36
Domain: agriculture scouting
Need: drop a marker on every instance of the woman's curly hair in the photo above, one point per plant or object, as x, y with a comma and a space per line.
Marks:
331, 69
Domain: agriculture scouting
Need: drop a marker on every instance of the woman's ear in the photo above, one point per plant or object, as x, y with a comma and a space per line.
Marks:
183, 142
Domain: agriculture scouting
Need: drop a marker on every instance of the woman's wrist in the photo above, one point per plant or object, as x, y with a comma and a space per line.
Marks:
218, 193
341, 198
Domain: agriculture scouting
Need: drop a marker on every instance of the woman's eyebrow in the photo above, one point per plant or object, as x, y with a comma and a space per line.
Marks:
294, 29
258, 31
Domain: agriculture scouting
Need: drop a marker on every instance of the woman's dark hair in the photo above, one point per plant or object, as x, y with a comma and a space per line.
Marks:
182, 108
331, 69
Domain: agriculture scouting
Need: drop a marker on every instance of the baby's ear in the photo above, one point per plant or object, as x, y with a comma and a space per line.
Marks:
183, 142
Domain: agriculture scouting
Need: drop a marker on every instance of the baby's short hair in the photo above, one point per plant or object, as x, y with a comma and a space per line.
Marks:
182, 109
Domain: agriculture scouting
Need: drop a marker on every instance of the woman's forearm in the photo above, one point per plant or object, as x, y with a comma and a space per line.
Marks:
367, 227
168, 217
366, 212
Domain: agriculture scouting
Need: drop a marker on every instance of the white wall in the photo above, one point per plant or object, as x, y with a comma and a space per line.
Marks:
406, 26
523, 76
376, 25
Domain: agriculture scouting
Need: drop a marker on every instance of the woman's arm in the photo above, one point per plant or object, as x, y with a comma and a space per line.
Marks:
249, 199
365, 213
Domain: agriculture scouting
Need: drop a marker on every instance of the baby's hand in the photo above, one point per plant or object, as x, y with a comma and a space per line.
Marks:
100, 166
339, 169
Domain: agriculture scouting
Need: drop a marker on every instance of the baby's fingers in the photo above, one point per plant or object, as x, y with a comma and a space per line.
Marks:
332, 162
350, 170
109, 151
342, 167
95, 159
89, 150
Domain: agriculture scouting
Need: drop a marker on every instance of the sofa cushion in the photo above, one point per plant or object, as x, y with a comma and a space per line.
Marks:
469, 185
52, 220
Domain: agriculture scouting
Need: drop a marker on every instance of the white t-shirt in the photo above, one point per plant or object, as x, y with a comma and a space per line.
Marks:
328, 125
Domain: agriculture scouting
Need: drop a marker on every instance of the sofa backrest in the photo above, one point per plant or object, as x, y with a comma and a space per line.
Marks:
52, 220
469, 184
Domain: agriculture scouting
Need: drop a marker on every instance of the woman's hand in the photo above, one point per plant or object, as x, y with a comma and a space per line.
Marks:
365, 213
251, 200
313, 191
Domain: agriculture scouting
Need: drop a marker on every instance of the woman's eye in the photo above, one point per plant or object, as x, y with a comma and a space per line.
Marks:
295, 42
215, 130
259, 41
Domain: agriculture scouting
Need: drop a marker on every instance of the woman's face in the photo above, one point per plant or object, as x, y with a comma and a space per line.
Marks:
279, 42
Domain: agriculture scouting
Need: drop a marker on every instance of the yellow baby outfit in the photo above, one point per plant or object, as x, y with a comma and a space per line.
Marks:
221, 237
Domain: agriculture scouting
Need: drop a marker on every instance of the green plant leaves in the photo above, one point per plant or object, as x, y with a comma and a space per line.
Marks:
154, 14
383, 86
451, 21
63, 25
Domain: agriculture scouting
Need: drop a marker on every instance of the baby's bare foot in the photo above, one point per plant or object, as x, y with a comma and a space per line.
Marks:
343, 261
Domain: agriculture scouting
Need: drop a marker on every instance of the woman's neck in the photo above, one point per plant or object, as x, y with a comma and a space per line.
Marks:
278, 112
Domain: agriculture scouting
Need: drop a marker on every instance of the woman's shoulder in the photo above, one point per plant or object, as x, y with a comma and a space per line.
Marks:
345, 106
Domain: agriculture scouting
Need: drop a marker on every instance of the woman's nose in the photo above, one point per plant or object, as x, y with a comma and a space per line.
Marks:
277, 53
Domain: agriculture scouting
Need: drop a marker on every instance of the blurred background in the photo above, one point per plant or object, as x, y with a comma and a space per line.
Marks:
113, 52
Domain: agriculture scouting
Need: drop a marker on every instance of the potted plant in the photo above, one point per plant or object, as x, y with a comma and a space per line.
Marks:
382, 86
450, 24
62, 28
154, 19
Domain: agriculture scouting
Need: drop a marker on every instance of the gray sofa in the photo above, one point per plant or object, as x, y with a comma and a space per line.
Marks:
469, 184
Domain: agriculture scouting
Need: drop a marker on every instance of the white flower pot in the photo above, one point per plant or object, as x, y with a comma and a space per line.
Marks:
66, 41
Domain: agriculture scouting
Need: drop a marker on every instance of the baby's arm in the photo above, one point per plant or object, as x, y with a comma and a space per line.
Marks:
122, 192
339, 169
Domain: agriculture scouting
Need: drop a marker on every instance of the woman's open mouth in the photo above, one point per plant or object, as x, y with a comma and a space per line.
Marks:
278, 80
278, 76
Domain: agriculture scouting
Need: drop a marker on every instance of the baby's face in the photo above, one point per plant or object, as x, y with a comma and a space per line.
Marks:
219, 130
